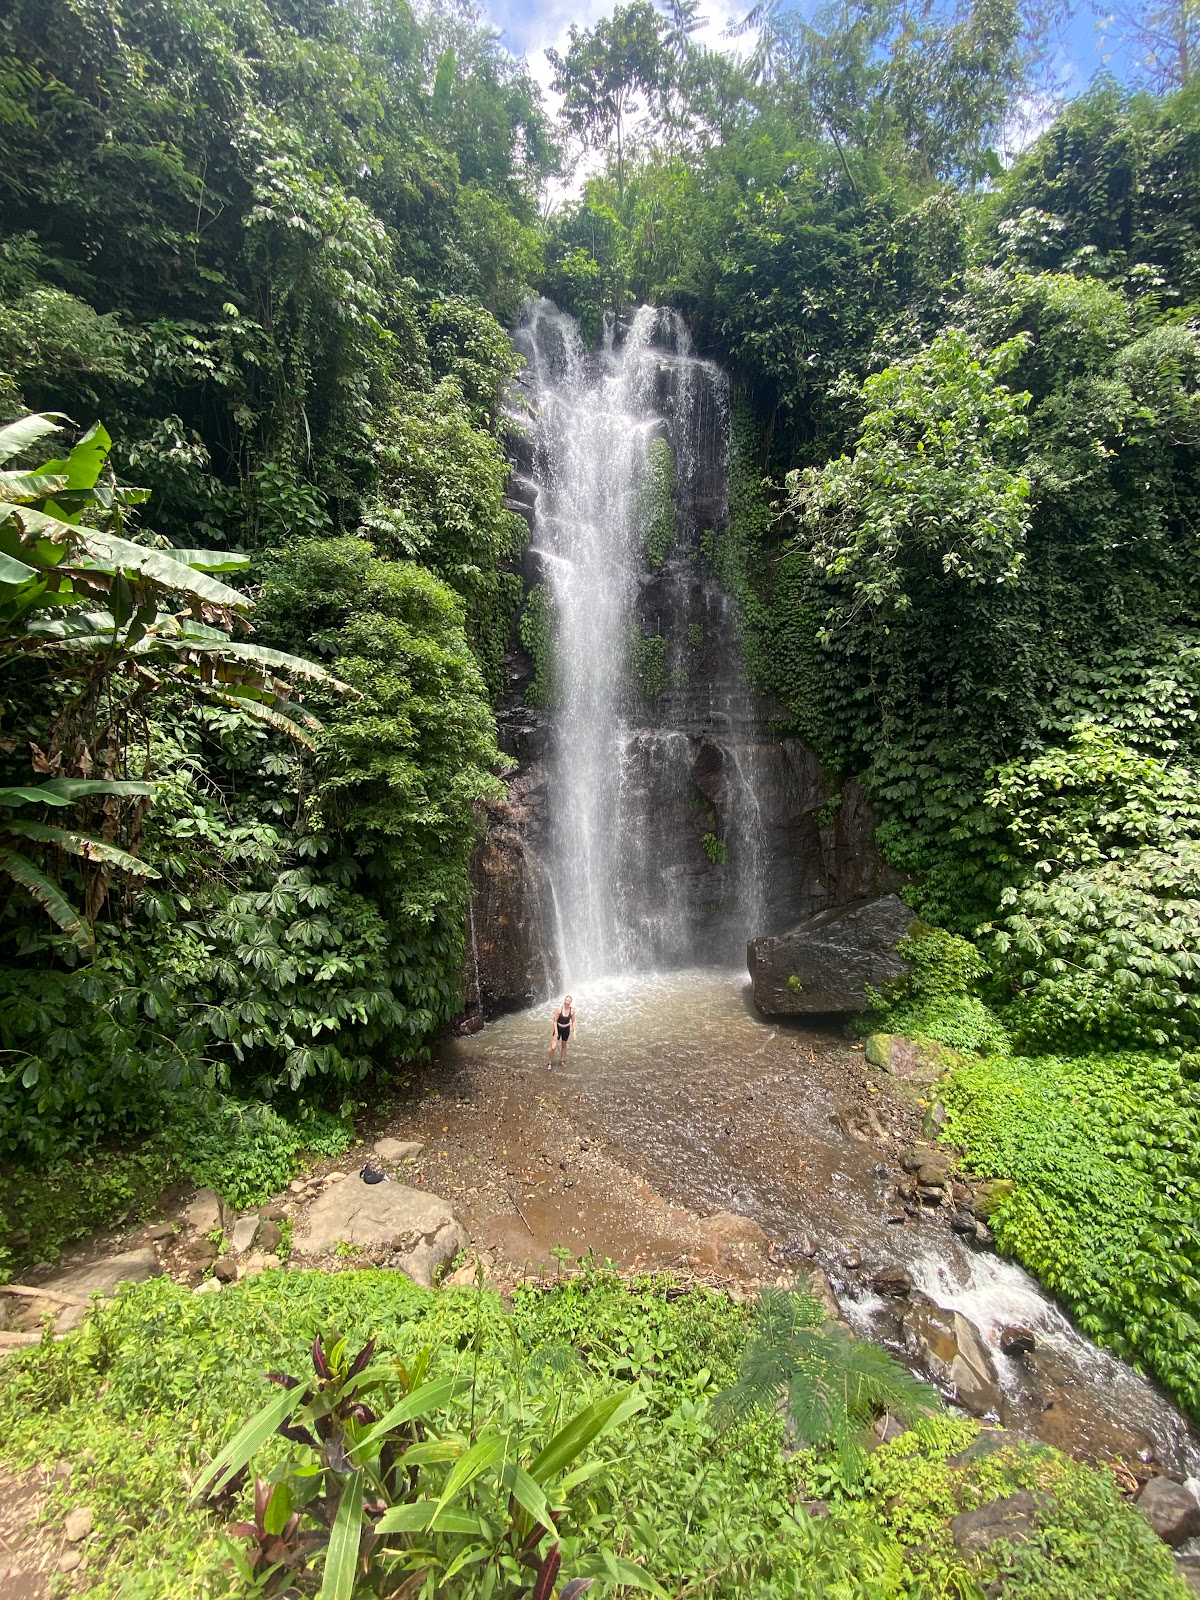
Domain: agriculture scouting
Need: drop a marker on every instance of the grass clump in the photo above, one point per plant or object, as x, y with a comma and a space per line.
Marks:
247, 1151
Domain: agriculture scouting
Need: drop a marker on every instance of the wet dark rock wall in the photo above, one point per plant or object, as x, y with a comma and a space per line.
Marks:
728, 830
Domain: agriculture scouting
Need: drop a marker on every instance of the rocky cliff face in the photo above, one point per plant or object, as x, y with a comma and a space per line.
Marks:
817, 855
725, 830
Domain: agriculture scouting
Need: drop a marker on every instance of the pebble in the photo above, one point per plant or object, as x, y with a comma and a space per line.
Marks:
337, 1177
161, 1230
78, 1524
296, 1186
209, 1286
69, 1561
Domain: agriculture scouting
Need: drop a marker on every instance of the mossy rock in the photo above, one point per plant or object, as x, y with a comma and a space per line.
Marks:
991, 1193
918, 1061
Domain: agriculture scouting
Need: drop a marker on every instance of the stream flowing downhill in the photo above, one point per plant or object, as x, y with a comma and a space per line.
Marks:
720, 1108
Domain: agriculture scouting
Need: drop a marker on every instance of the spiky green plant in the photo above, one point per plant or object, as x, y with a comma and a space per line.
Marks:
830, 1385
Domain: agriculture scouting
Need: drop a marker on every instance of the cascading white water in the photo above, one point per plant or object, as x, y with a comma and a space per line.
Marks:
631, 892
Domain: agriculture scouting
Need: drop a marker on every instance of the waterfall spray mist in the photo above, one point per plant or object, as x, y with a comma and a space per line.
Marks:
626, 752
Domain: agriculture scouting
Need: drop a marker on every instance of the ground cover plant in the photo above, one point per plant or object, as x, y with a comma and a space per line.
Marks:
661, 1489
1101, 1149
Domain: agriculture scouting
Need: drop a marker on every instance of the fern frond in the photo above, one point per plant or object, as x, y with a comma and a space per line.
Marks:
830, 1383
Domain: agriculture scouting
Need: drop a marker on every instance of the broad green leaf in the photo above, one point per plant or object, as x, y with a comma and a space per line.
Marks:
341, 1558
483, 1455
41, 796
418, 1403
526, 1492
49, 896
294, 666
575, 1436
244, 1444
14, 571
423, 1516
31, 485
279, 1508
436, 1450
81, 844
110, 551
83, 466
84, 788
469, 1557
210, 560
26, 431
42, 524
260, 713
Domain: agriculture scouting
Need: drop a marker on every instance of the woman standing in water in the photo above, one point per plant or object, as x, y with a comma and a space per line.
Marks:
564, 1026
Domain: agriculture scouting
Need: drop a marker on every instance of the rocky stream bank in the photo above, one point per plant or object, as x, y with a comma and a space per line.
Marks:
499, 1176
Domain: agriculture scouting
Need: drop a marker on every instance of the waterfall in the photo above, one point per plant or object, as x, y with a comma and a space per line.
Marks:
655, 843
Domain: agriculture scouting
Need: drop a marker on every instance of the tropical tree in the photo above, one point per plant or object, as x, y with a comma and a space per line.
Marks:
604, 70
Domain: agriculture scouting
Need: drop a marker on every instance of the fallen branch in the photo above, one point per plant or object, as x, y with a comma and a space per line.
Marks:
43, 1294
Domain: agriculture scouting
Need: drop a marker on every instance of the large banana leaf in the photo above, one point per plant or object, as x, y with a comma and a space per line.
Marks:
293, 666
111, 553
65, 791
210, 560
86, 461
14, 571
47, 895
260, 712
23, 434
31, 485
81, 844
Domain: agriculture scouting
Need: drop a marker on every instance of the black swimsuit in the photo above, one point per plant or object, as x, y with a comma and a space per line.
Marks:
564, 1025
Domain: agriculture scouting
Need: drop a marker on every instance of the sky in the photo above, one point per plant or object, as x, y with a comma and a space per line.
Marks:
529, 27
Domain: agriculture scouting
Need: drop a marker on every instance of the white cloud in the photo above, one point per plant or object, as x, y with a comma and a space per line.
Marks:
530, 30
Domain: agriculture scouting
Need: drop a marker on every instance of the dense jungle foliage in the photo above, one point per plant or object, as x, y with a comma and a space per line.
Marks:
257, 582
257, 577
274, 250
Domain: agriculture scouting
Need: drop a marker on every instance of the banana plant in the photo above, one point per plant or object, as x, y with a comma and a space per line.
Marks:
397, 1506
85, 604
15, 831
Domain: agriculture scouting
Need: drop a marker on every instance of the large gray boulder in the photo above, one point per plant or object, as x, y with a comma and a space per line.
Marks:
420, 1231
1013, 1518
828, 962
100, 1277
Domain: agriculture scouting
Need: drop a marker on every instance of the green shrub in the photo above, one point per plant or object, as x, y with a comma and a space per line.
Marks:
937, 997
44, 1208
715, 849
159, 1381
536, 635
247, 1151
1105, 1155
649, 663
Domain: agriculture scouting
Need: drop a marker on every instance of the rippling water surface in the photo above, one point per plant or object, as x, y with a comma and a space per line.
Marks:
724, 1110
